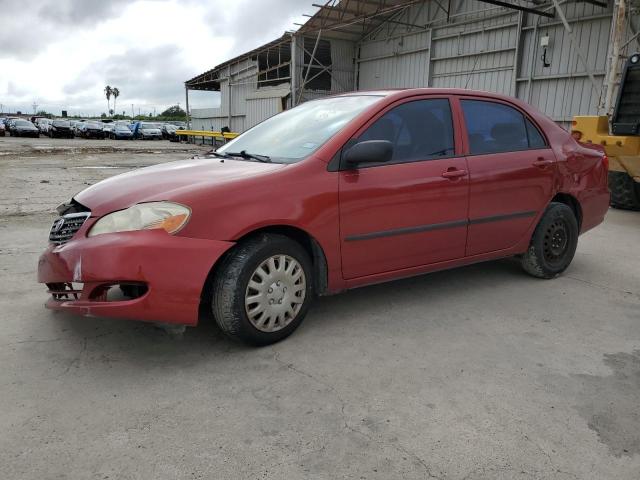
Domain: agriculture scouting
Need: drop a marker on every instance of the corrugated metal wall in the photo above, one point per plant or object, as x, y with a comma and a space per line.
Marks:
401, 62
564, 89
342, 68
479, 46
251, 105
490, 48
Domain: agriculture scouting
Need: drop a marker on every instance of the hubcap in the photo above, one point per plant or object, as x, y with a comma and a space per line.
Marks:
275, 293
556, 241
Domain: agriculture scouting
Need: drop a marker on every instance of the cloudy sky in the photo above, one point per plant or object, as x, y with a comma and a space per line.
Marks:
61, 53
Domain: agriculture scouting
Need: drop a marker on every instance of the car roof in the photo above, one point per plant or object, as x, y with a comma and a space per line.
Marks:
409, 92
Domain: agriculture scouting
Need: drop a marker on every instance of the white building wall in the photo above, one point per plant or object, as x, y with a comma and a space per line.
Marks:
480, 47
491, 48
402, 62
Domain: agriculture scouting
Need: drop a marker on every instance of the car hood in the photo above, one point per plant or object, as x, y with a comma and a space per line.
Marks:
150, 130
175, 181
25, 127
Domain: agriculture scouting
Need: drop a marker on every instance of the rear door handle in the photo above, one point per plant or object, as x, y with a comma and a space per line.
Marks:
541, 162
454, 173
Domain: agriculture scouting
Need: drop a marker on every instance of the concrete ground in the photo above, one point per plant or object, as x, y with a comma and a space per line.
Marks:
477, 373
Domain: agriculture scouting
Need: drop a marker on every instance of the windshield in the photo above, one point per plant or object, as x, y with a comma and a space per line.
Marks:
60, 123
122, 128
148, 126
294, 134
22, 123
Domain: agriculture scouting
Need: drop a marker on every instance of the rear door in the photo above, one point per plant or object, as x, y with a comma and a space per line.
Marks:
411, 211
512, 172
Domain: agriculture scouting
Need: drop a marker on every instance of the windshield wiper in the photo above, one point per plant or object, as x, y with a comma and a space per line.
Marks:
252, 156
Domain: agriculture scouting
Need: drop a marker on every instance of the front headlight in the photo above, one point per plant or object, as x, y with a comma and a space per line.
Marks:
168, 216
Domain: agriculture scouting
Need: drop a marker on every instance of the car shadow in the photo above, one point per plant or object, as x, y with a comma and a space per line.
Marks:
144, 341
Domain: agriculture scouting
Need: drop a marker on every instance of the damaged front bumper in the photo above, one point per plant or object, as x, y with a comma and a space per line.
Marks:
160, 277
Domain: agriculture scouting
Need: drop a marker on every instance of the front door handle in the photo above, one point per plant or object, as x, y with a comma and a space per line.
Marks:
542, 162
454, 173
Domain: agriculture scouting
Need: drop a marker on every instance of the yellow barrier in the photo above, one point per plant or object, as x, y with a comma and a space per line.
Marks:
207, 133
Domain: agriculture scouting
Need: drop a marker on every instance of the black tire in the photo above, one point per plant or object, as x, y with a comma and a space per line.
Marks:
625, 193
553, 243
233, 276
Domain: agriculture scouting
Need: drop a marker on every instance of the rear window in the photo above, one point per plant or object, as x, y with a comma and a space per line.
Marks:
495, 128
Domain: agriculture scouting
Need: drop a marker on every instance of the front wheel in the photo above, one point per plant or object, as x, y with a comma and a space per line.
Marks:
553, 243
263, 289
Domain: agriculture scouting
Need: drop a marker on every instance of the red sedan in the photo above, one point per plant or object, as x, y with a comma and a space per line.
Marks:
334, 194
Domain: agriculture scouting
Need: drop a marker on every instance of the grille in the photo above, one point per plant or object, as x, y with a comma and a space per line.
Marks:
65, 227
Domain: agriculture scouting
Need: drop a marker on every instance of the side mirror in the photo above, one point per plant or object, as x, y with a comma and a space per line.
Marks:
370, 151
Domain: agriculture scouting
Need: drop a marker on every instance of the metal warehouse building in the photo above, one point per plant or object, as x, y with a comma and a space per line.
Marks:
563, 56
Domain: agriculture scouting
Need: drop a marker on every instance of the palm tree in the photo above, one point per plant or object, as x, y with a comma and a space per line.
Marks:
116, 93
107, 93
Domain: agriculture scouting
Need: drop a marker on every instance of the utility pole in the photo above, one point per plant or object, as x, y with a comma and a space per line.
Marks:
133, 113
186, 94
154, 111
35, 107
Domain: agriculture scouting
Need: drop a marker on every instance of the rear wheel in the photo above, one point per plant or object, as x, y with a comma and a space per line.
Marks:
263, 289
553, 243
625, 192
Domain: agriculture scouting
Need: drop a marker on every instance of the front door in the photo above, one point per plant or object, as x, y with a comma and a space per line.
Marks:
512, 171
411, 211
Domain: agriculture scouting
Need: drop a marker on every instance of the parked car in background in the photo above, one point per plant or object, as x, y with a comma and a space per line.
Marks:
379, 186
44, 125
2, 129
23, 128
60, 128
121, 132
169, 131
76, 127
8, 121
147, 131
107, 128
92, 130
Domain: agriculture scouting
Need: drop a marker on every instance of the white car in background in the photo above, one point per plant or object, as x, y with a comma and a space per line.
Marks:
44, 125
107, 130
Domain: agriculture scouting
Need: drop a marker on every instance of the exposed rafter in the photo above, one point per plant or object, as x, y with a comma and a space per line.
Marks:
516, 5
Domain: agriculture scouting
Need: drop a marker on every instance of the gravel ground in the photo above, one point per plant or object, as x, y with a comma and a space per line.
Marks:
477, 373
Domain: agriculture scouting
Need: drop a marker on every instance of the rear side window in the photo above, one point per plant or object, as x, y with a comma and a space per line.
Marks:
536, 140
495, 127
418, 130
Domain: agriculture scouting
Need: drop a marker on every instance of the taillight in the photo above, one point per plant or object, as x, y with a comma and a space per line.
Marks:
605, 161
576, 134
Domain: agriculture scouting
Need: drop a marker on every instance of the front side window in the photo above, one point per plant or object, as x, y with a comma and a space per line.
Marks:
495, 128
418, 130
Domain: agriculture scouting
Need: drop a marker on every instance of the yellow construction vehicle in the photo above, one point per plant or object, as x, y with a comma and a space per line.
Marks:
620, 137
